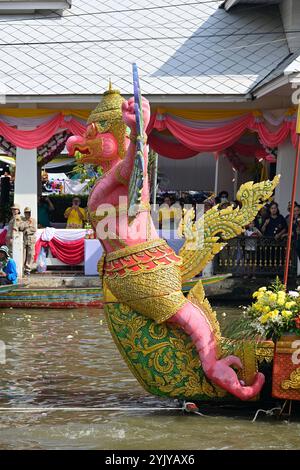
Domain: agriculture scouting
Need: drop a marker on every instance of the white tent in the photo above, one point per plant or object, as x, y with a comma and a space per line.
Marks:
57, 176
75, 187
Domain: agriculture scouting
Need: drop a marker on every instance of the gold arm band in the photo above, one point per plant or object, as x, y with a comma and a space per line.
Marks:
134, 138
130, 250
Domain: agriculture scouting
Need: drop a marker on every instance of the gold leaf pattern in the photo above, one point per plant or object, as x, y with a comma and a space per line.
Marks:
203, 240
163, 358
293, 382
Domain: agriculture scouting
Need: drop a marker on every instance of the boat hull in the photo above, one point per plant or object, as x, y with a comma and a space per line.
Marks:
72, 297
52, 298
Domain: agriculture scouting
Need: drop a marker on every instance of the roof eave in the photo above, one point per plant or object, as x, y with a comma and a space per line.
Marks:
229, 4
154, 99
273, 85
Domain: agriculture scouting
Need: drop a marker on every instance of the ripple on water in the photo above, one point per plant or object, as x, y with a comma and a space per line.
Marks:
45, 368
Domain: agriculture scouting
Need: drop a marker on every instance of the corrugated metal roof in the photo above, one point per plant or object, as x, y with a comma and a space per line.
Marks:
181, 48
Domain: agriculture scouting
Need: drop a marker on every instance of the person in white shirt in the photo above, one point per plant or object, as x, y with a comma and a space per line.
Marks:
251, 235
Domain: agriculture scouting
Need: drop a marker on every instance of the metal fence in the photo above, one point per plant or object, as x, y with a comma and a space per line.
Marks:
267, 257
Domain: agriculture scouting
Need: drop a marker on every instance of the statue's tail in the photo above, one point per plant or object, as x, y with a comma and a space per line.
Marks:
194, 322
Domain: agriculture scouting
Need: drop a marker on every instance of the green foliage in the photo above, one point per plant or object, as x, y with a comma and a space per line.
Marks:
86, 171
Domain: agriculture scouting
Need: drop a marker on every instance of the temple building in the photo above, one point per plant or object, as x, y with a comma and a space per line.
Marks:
222, 77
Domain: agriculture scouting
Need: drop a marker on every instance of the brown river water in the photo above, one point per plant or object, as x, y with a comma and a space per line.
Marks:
67, 359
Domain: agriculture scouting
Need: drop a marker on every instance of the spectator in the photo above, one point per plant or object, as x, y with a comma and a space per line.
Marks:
169, 214
296, 229
296, 219
8, 271
14, 224
224, 205
2, 219
45, 206
223, 197
275, 225
28, 227
75, 215
261, 218
287, 218
236, 204
251, 234
208, 204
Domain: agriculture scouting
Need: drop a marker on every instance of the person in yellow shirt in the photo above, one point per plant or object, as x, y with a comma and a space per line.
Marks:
75, 215
169, 214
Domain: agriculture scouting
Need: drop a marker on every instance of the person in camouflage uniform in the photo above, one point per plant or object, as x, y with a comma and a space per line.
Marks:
28, 227
13, 225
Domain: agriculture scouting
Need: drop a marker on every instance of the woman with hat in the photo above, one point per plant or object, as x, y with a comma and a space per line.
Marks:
8, 268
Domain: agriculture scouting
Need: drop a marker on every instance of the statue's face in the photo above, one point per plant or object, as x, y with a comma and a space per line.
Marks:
96, 148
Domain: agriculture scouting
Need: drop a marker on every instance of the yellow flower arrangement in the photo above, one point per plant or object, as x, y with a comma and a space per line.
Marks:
274, 312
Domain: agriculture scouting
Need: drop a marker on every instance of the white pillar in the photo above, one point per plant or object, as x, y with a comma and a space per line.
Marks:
17, 252
285, 167
216, 175
26, 180
225, 176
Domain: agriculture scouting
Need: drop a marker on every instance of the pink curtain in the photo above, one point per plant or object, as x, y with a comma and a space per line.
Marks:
207, 140
272, 139
29, 139
192, 140
174, 150
3, 236
67, 252
251, 150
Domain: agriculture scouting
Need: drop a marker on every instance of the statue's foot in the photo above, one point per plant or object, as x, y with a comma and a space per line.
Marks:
225, 377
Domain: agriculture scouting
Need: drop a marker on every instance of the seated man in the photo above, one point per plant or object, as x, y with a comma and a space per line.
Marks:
8, 268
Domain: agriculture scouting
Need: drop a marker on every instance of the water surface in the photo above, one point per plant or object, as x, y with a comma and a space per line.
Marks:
66, 358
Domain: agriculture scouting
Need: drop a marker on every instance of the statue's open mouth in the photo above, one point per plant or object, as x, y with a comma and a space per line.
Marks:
83, 150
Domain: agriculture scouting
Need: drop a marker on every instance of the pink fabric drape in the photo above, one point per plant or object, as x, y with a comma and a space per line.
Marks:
29, 139
67, 252
206, 140
3, 234
168, 149
191, 140
272, 139
214, 139
251, 150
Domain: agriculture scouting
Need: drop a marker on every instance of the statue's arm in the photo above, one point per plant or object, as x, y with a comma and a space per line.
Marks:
124, 170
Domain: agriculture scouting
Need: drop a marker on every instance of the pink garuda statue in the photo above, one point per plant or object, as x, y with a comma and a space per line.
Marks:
139, 270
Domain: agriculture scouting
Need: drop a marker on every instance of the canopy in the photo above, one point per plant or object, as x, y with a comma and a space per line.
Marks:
8, 160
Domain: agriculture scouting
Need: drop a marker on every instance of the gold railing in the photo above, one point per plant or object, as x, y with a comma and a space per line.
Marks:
268, 257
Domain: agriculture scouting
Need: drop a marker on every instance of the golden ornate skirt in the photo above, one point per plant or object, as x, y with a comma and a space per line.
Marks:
146, 277
286, 370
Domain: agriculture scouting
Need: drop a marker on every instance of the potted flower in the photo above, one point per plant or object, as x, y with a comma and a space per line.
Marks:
275, 315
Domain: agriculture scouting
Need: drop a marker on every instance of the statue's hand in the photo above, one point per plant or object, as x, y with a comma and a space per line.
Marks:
129, 114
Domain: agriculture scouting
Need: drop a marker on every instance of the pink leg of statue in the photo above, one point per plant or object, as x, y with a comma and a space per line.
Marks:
193, 322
